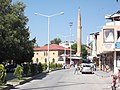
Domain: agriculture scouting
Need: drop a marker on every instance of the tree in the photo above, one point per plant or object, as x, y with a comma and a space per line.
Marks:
55, 41
2, 74
74, 47
14, 35
83, 49
18, 72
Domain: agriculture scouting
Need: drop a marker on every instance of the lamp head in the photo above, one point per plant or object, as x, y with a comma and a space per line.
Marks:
61, 13
36, 13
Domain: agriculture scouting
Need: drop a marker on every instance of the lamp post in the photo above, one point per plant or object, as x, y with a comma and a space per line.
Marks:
49, 16
70, 24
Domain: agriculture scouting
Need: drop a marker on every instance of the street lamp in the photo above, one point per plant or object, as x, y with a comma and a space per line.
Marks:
70, 24
49, 16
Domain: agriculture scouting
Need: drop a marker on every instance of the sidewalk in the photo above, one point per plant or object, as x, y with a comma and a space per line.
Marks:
10, 84
103, 74
107, 75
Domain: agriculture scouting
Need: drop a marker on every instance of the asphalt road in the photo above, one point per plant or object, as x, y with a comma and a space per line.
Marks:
67, 80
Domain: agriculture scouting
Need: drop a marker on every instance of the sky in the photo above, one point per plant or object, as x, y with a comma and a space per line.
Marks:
93, 14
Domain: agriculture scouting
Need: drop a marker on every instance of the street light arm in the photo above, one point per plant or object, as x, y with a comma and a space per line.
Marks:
61, 13
41, 14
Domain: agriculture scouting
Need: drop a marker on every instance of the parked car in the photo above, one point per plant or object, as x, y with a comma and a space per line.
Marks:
86, 68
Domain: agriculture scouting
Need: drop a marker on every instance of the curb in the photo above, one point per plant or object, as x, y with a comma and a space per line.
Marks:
12, 85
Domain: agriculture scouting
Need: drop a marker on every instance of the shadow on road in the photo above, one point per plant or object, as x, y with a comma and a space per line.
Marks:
41, 76
63, 84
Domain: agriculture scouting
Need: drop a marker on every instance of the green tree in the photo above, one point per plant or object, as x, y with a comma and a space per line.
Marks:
83, 49
74, 46
18, 72
55, 41
2, 74
14, 35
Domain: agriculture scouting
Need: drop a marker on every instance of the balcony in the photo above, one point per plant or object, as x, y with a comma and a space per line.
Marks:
116, 23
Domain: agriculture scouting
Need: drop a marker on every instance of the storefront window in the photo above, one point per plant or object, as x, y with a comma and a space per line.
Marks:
108, 35
118, 58
118, 36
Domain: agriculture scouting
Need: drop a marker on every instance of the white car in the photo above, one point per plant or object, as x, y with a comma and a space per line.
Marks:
86, 68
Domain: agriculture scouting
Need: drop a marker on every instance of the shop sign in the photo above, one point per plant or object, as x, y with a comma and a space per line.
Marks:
108, 46
117, 45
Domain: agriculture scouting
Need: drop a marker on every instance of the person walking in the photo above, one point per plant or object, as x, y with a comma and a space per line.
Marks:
76, 69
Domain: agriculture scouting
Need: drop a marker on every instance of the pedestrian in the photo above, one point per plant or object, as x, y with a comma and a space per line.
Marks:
76, 69
119, 75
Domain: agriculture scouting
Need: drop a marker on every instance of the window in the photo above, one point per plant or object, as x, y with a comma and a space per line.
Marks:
118, 36
53, 53
118, 58
44, 53
53, 60
108, 35
45, 60
37, 60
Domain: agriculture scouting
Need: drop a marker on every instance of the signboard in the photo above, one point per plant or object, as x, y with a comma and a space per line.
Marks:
117, 45
107, 46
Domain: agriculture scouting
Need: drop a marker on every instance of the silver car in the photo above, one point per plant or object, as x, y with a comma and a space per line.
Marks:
86, 68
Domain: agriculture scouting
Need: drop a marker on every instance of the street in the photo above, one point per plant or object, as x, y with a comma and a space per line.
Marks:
67, 80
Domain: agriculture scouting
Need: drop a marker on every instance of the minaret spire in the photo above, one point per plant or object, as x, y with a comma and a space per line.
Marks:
79, 34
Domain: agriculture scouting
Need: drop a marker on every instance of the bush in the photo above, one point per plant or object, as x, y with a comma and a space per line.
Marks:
59, 66
33, 69
26, 69
18, 72
2, 74
40, 68
44, 66
56, 65
52, 66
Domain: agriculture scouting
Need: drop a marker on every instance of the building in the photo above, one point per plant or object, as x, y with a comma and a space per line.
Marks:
57, 54
106, 44
67, 44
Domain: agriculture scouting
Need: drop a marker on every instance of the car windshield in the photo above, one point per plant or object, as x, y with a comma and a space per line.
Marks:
86, 66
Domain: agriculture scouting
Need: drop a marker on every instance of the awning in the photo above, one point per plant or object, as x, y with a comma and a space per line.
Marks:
74, 57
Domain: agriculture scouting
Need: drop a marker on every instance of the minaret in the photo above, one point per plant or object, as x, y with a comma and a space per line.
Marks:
79, 34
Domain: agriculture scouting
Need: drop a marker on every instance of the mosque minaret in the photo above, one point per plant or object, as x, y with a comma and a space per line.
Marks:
79, 34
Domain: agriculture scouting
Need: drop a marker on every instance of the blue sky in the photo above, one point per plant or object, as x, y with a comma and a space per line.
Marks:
92, 15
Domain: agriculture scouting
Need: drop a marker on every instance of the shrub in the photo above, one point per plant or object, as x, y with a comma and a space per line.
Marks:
59, 66
18, 72
44, 66
2, 74
52, 66
26, 69
33, 69
40, 68
55, 65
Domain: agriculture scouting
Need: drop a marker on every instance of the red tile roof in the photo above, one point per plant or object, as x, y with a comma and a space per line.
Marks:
52, 47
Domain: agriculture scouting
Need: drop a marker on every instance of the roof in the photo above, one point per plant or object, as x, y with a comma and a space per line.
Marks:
114, 16
52, 47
